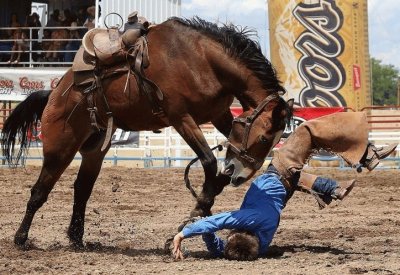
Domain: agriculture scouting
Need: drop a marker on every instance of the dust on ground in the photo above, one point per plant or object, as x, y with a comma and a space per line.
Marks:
132, 211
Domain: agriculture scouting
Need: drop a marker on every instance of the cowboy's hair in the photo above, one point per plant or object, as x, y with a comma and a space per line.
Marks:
242, 246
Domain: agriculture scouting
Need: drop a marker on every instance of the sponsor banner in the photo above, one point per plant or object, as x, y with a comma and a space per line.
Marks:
320, 51
17, 84
119, 138
125, 138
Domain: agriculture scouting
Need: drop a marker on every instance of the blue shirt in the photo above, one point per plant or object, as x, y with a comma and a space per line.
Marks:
259, 213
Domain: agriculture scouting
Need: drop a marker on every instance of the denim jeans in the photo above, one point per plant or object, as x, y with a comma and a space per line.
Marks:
325, 186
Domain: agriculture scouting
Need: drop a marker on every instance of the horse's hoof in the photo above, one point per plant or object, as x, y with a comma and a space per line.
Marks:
75, 238
20, 239
76, 245
200, 213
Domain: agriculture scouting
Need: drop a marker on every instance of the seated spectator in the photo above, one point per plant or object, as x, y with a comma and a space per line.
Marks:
90, 23
54, 20
72, 45
33, 21
14, 23
57, 44
20, 45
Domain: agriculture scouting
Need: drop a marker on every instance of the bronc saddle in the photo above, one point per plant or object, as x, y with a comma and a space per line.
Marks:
107, 48
107, 52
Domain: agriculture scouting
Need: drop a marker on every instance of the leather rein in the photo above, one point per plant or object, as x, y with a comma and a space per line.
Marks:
241, 151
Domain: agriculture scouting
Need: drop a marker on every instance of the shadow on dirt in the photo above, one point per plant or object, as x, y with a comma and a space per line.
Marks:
90, 247
278, 251
96, 247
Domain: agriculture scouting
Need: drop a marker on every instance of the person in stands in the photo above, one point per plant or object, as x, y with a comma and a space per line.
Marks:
19, 47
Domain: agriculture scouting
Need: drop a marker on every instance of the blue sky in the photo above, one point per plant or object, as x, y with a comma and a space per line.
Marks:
383, 15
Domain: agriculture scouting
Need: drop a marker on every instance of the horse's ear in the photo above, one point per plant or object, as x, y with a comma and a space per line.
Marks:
290, 103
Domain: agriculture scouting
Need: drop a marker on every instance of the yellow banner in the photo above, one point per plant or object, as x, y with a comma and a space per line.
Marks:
320, 51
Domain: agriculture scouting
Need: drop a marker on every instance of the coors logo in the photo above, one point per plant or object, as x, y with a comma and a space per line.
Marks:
30, 86
320, 46
6, 86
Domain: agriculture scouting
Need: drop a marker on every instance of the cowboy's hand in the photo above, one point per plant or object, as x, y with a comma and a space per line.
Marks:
177, 252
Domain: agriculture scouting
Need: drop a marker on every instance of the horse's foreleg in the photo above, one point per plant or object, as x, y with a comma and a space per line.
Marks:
214, 184
92, 158
54, 165
212, 187
194, 137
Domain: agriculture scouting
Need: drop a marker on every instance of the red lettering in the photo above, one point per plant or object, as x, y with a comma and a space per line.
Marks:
25, 83
4, 83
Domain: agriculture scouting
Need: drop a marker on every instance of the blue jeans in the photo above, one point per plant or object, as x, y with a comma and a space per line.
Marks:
325, 186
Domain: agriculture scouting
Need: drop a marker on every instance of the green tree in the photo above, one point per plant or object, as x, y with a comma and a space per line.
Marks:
384, 83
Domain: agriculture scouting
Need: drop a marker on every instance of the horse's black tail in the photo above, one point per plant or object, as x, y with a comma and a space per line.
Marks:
21, 121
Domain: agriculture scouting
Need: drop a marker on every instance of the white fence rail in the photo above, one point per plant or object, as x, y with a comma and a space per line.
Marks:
168, 149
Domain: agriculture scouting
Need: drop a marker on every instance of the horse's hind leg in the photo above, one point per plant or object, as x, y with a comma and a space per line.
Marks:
92, 158
54, 164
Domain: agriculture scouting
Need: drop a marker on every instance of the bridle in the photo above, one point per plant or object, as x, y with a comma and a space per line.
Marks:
241, 152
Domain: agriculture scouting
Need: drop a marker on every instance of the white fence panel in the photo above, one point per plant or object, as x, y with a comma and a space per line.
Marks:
156, 11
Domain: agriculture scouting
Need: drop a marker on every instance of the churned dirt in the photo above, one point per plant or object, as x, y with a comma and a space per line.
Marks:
133, 211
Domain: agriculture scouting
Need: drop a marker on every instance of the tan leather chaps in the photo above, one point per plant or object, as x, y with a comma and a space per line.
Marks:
344, 134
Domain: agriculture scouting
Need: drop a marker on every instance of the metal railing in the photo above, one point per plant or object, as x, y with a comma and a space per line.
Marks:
33, 47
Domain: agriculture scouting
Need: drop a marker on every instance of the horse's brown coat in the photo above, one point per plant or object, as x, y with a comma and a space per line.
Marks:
199, 67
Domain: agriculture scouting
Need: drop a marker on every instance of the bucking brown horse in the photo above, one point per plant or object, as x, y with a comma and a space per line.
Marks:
199, 67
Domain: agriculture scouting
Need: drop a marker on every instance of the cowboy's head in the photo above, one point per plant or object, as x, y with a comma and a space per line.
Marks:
242, 246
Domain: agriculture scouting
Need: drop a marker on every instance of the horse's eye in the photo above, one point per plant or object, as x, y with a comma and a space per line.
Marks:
263, 139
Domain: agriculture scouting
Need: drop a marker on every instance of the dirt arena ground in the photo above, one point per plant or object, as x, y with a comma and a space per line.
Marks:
126, 229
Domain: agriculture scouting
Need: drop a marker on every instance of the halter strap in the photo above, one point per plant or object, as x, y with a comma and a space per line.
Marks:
248, 122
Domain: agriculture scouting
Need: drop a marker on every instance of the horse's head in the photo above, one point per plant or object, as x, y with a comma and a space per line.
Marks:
254, 133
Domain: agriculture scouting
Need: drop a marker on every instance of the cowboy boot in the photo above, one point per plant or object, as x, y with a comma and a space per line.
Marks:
342, 192
306, 184
374, 154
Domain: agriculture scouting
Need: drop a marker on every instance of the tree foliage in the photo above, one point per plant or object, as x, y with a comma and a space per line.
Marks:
384, 83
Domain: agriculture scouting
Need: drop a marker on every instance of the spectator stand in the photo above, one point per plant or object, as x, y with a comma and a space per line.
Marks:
37, 50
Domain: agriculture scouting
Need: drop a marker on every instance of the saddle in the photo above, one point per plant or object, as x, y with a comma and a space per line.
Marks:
108, 47
107, 52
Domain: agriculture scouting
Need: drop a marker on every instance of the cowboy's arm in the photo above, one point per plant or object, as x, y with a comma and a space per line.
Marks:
205, 227
240, 219
214, 244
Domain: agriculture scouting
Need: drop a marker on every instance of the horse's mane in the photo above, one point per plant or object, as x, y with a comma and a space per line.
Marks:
237, 43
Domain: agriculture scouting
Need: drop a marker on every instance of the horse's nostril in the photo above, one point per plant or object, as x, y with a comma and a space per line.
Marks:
228, 169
